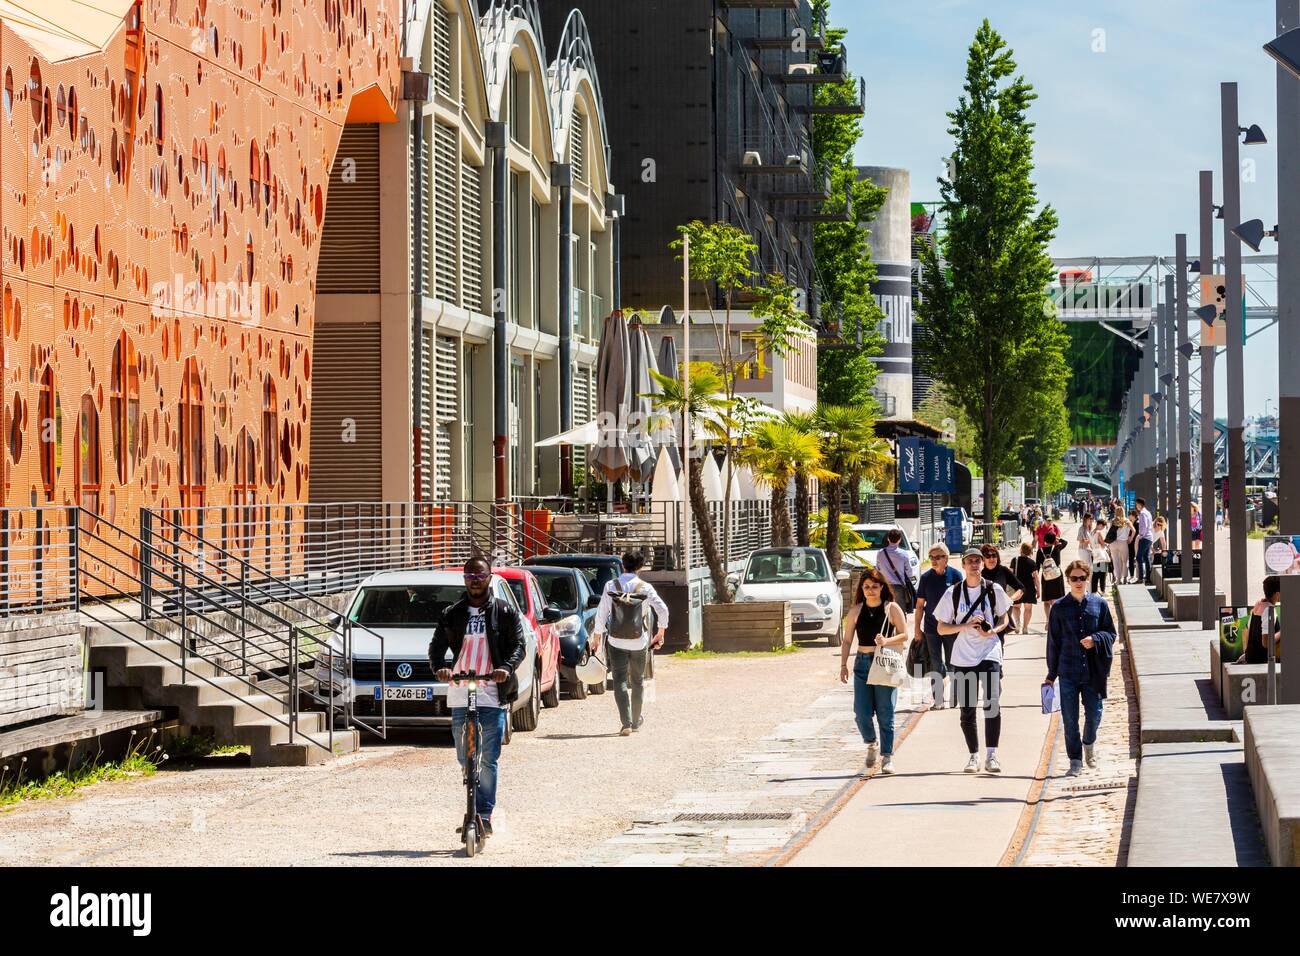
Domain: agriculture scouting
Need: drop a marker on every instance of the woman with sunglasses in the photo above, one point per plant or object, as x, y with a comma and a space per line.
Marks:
874, 621
1080, 650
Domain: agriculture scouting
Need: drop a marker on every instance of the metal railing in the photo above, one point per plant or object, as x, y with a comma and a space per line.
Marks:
38, 560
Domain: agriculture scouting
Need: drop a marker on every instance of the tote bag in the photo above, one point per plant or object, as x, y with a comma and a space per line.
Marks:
888, 664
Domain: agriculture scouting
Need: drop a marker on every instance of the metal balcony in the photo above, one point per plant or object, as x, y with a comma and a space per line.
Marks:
831, 66
761, 4
856, 108
815, 188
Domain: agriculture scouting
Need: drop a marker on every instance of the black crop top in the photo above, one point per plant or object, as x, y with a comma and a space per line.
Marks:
871, 621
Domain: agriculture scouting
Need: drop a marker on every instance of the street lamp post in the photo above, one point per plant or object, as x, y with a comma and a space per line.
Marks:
1169, 417
1288, 309
1235, 481
1209, 613
1184, 407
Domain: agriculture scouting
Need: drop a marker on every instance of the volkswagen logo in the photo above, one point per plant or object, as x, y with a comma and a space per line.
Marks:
403, 671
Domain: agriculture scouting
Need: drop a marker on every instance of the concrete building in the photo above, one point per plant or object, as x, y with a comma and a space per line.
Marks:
889, 237
712, 106
475, 266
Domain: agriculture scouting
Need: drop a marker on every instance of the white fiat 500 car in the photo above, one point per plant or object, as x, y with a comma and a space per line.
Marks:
803, 577
874, 536
402, 608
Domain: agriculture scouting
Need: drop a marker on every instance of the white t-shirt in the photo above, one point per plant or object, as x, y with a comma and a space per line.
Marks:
973, 645
625, 583
477, 657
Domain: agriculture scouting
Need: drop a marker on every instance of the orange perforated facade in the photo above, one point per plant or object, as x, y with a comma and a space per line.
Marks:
161, 208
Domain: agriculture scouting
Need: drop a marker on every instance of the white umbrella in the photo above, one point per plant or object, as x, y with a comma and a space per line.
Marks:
588, 434
745, 481
665, 496
711, 475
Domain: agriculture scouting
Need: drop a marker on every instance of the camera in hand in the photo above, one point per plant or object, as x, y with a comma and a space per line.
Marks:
984, 626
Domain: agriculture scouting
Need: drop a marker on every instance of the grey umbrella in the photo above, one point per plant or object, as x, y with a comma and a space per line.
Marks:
668, 366
613, 398
641, 360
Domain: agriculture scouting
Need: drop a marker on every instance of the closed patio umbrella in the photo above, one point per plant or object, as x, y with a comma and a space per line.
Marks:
666, 433
641, 362
613, 398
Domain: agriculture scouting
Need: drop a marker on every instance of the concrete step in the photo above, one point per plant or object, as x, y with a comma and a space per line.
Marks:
303, 754
226, 715
112, 629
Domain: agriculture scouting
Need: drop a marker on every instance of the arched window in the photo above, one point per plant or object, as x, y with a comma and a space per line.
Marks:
243, 489
270, 432
88, 462
124, 407
191, 455
50, 424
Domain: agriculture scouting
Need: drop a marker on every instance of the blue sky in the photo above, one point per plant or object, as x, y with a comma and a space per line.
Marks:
1122, 132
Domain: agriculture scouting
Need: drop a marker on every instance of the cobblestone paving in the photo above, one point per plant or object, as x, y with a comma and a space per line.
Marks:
800, 767
1085, 820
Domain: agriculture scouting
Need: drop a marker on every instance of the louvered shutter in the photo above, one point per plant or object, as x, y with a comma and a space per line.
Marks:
446, 412
427, 463
581, 409
349, 252
578, 146
441, 49
446, 281
346, 404
472, 248
420, 270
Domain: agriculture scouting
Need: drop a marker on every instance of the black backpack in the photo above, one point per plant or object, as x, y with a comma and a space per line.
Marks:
986, 594
627, 616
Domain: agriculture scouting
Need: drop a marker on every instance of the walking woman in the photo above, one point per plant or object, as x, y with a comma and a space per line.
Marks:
874, 621
1160, 541
1196, 526
1134, 572
1100, 557
1085, 538
975, 610
1118, 546
1026, 572
1051, 579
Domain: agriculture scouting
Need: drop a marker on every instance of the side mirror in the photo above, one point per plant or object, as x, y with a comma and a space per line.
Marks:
916, 547
733, 579
333, 621
841, 575
552, 614
593, 601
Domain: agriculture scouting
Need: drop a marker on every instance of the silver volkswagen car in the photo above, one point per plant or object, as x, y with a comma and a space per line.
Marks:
402, 608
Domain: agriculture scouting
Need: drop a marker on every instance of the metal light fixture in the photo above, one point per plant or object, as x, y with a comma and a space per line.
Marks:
1194, 265
1167, 378
1286, 50
1187, 350
1254, 135
1157, 398
1252, 233
1207, 314
1218, 211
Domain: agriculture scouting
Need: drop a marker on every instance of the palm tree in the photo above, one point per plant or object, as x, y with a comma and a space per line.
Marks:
706, 411
805, 422
779, 452
847, 437
850, 540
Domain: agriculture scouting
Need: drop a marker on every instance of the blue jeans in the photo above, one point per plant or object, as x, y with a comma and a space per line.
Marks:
1144, 559
873, 699
493, 721
1092, 703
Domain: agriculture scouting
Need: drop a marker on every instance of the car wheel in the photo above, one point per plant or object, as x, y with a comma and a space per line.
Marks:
526, 717
552, 697
836, 639
578, 690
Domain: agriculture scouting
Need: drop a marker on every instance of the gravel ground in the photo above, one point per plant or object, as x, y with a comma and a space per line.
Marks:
566, 788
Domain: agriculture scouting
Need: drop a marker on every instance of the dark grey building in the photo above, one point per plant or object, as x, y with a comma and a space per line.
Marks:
710, 106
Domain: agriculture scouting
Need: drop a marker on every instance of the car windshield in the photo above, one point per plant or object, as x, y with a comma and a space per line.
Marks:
874, 537
420, 606
777, 567
559, 590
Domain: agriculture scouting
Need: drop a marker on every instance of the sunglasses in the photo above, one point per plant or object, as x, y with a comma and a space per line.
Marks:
938, 557
1078, 579
871, 584
478, 578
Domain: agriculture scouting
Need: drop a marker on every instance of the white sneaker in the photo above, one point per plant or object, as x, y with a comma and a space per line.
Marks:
1076, 768
873, 751
973, 765
1090, 755
939, 704
991, 765
887, 765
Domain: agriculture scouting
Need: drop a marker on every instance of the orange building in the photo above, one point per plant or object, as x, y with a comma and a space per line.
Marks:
166, 168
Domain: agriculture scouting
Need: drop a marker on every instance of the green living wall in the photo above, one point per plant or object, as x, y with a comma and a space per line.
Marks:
1103, 365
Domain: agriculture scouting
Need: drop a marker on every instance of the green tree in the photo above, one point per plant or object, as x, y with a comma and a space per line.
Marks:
780, 450
1043, 447
805, 422
994, 340
942, 412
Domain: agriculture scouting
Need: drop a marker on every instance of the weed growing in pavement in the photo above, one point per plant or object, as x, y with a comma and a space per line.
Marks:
141, 760
699, 654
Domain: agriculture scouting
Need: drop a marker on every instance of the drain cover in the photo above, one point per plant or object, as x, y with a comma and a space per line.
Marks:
728, 817
1084, 787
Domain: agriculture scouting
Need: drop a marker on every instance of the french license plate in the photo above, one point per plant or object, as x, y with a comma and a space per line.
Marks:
405, 693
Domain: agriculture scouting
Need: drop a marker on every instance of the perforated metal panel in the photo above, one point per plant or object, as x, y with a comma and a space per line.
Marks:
441, 23
471, 191
578, 146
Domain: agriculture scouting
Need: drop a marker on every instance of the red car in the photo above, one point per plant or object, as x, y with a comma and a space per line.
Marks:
528, 595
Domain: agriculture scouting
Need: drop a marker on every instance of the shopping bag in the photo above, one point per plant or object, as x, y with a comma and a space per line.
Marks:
888, 668
1051, 697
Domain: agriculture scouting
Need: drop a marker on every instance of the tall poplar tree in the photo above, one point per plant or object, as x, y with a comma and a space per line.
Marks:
995, 341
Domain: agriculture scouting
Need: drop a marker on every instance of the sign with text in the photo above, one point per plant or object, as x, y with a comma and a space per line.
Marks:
1282, 553
909, 465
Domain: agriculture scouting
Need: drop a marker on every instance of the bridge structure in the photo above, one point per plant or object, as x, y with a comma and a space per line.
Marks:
1122, 294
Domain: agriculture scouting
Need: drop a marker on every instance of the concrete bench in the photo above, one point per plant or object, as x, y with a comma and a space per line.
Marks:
1244, 685
1272, 739
1185, 601
1194, 807
1176, 698
1138, 609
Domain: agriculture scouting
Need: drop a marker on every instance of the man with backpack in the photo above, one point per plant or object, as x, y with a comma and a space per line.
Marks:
623, 615
894, 563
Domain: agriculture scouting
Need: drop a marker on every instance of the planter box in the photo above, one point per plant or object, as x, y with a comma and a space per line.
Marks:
749, 626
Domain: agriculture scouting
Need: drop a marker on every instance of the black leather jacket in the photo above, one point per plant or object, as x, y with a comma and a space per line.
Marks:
505, 633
